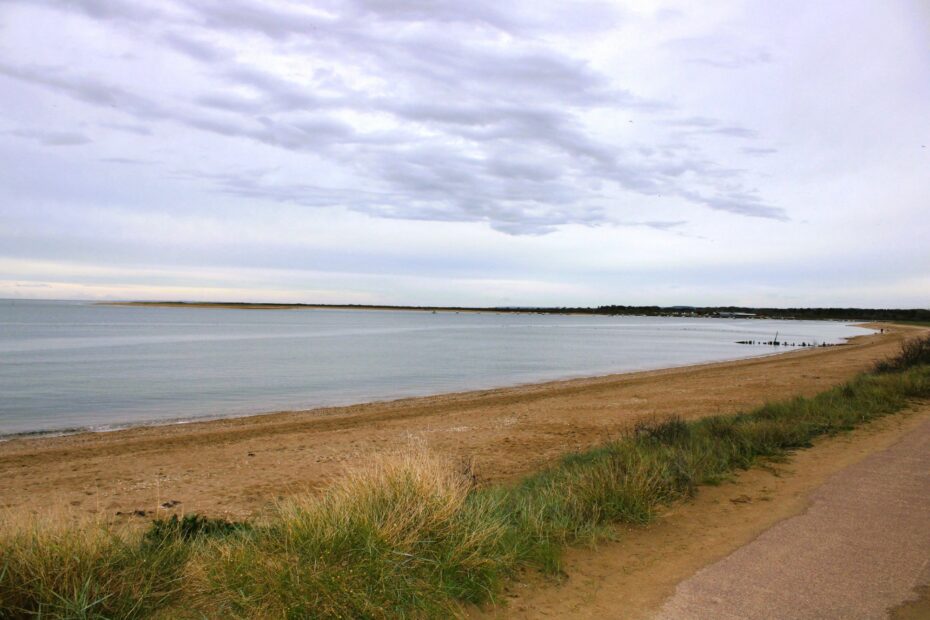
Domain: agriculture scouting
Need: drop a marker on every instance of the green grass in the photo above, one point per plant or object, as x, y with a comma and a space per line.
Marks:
413, 536
919, 323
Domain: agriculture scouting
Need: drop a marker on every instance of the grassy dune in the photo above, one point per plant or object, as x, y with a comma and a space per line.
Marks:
414, 536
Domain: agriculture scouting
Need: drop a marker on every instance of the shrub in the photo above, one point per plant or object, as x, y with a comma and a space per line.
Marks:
914, 352
190, 527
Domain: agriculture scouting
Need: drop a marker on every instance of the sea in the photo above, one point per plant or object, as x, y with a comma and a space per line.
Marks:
68, 366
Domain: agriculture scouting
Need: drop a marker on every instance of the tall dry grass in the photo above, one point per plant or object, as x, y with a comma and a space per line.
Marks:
406, 534
53, 568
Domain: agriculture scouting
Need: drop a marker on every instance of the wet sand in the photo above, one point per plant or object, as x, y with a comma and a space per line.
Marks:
237, 466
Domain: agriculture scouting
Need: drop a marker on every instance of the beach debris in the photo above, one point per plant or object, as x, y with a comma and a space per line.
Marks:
133, 513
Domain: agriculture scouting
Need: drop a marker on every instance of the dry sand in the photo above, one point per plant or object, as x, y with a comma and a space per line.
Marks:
235, 467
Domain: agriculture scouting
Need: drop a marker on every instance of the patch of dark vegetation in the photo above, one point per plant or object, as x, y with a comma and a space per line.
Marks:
414, 536
190, 527
913, 352
669, 431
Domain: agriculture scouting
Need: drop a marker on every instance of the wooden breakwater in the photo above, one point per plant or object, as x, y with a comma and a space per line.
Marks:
783, 343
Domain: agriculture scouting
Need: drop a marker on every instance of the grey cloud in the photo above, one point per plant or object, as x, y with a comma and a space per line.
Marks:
427, 58
269, 94
527, 20
551, 128
758, 151
479, 12
705, 125
192, 47
460, 104
738, 202
88, 90
126, 160
440, 184
734, 132
537, 170
291, 136
259, 17
51, 138
140, 130
102, 9
278, 93
498, 74
449, 191
720, 52
735, 60
693, 121
231, 102
659, 225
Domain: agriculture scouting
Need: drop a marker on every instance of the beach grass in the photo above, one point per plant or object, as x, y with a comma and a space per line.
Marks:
414, 535
52, 569
917, 323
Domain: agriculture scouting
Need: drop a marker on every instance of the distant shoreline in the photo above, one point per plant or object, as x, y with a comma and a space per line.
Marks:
901, 315
273, 306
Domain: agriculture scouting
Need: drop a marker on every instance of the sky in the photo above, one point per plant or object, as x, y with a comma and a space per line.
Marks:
480, 153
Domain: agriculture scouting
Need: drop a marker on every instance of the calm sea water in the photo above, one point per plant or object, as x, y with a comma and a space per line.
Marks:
73, 365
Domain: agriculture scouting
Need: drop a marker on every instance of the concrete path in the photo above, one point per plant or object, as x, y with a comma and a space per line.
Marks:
861, 548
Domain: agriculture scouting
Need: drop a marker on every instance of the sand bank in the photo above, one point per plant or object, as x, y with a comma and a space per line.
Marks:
237, 466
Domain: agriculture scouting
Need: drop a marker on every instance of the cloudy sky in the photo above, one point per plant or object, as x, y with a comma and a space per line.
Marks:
476, 153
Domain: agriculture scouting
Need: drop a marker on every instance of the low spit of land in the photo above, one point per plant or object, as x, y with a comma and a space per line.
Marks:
907, 315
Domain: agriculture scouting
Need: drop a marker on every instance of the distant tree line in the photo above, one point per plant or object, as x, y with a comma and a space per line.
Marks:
921, 315
856, 314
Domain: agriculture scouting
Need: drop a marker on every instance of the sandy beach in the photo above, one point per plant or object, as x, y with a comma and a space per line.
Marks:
238, 466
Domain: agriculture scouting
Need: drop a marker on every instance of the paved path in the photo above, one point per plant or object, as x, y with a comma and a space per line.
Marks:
861, 548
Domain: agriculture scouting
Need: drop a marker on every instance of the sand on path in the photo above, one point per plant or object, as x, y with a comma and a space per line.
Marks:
861, 548
663, 563
236, 467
